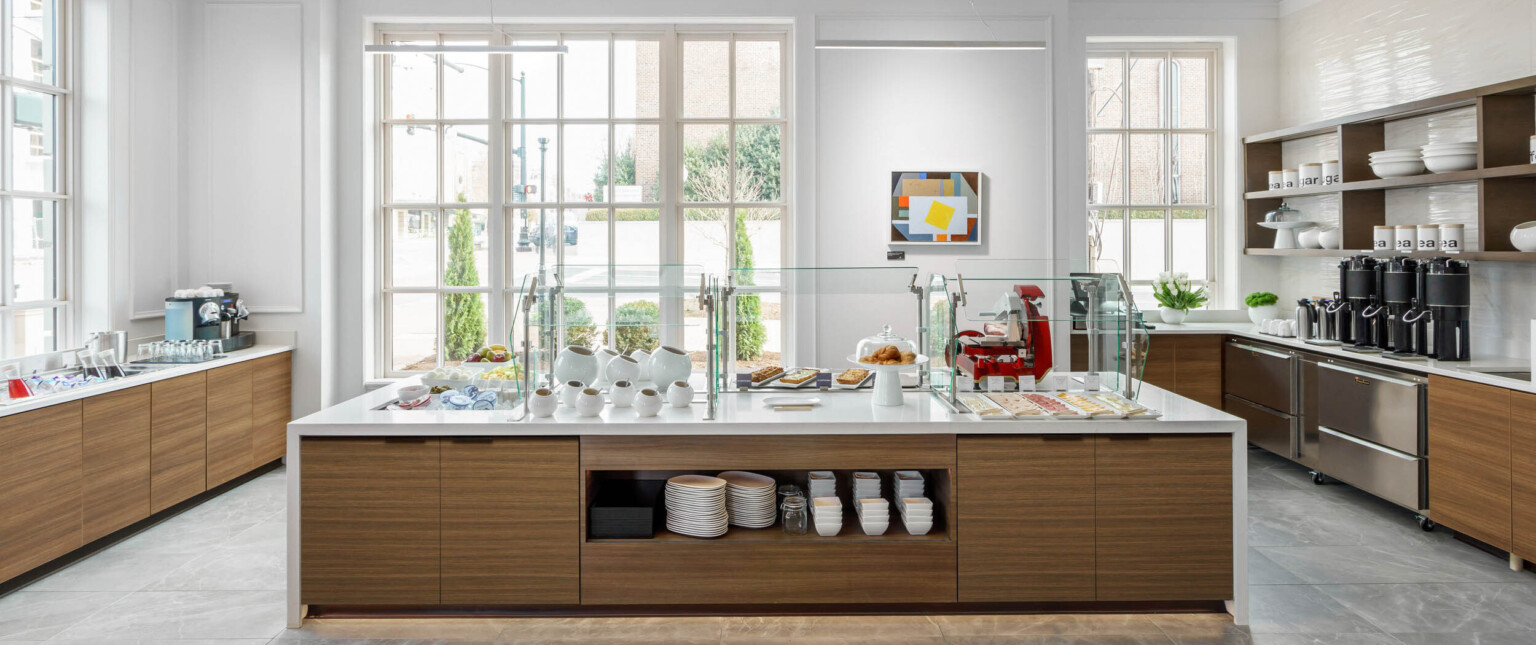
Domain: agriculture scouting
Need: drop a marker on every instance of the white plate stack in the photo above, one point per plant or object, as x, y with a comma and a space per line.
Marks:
696, 506
874, 515
909, 483
866, 485
750, 499
822, 484
916, 514
827, 513
1450, 157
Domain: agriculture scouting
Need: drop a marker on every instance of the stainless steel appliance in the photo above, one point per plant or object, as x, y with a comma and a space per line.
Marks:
208, 318
1372, 431
1448, 294
1360, 281
1259, 385
1307, 327
1401, 290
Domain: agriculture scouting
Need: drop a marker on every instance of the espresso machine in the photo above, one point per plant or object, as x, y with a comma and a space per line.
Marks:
1361, 279
1400, 291
1448, 295
208, 318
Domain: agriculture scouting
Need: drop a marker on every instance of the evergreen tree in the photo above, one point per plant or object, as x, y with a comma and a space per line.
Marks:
637, 329
750, 333
463, 313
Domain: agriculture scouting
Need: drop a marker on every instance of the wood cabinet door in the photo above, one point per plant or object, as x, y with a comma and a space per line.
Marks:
1026, 504
1197, 367
40, 475
1469, 459
271, 407
370, 533
117, 461
1160, 370
178, 446
1522, 453
1163, 525
511, 514
229, 423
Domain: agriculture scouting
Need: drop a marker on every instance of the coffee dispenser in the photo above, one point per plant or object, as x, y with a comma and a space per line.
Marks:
1361, 280
1400, 291
1448, 295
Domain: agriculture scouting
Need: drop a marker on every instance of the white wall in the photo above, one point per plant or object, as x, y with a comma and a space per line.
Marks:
1345, 57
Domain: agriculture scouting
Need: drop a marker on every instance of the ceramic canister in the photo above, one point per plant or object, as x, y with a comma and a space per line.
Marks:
1311, 175
1385, 238
1277, 178
1533, 149
1428, 237
1451, 236
1331, 173
1292, 178
1407, 238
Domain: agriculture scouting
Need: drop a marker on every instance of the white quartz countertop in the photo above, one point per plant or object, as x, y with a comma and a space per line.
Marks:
1464, 370
170, 371
840, 412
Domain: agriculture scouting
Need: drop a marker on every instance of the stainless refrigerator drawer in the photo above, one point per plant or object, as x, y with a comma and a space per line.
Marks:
1260, 374
1383, 472
1378, 408
1267, 428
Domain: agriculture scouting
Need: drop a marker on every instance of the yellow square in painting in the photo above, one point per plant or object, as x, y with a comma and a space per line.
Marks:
939, 215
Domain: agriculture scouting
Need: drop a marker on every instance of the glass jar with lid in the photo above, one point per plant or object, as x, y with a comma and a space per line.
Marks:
886, 348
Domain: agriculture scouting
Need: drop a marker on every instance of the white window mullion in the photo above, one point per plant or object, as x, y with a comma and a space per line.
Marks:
496, 213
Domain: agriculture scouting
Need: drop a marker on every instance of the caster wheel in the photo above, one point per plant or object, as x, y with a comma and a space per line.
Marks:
1318, 478
1426, 523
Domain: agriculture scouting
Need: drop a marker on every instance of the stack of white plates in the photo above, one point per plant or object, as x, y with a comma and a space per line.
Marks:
866, 485
874, 515
750, 499
822, 483
827, 513
696, 506
1450, 157
1402, 162
916, 514
909, 483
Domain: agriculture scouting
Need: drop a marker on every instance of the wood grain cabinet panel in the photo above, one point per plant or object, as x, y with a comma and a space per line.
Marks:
1198, 367
370, 510
178, 449
229, 423
40, 471
1026, 504
1522, 430
117, 460
1163, 517
511, 515
271, 407
1469, 459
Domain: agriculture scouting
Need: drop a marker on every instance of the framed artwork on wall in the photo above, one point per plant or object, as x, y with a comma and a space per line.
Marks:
937, 208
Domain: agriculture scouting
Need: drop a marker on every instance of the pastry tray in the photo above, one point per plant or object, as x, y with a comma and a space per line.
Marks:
869, 381
777, 382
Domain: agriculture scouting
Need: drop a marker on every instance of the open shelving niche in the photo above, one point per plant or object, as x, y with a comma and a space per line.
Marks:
1506, 182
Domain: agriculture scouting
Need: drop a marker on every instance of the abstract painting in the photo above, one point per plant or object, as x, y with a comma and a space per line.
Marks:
936, 207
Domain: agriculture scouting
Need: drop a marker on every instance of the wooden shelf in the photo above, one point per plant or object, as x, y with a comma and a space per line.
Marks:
1452, 101
1484, 256
1416, 181
851, 532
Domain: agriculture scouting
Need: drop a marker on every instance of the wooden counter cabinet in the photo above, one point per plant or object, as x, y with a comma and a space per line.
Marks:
40, 471
1469, 459
117, 460
179, 440
229, 423
1522, 430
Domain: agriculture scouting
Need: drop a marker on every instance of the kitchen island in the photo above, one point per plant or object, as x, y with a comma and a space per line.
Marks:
432, 512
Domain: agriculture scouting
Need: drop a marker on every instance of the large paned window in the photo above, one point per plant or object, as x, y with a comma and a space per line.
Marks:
639, 147
1152, 141
34, 206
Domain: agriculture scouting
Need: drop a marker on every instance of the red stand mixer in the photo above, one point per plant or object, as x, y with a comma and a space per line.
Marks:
1018, 343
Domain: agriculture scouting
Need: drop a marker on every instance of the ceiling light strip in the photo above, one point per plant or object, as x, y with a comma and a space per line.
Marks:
1017, 45
466, 49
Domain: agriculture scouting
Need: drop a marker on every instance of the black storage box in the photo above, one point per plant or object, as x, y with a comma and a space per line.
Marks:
625, 509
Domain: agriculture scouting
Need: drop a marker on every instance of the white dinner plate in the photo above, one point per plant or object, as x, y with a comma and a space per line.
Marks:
777, 401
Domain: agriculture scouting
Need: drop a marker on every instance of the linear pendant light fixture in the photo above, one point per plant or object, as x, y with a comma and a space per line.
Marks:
953, 45
439, 48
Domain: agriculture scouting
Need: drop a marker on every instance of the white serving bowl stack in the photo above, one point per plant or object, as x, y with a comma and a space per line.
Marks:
1450, 157
916, 514
823, 483
750, 499
696, 506
909, 483
827, 514
874, 514
1402, 162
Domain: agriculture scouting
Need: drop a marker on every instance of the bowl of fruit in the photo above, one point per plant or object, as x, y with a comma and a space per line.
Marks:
491, 354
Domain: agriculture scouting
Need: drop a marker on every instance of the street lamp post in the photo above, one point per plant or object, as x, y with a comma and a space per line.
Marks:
521, 152
543, 148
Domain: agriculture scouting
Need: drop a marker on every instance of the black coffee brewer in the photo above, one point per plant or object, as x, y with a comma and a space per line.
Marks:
1401, 290
1448, 295
1361, 278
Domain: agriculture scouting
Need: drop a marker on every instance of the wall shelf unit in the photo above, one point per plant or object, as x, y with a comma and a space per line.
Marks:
1506, 182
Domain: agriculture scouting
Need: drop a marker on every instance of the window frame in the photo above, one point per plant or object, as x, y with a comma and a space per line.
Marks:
1212, 206
502, 210
60, 307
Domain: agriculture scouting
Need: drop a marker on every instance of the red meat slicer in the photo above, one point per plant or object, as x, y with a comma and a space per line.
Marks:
1017, 344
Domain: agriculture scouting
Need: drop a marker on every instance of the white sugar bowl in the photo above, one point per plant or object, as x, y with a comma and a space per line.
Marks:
680, 394
589, 402
542, 403
648, 402
622, 393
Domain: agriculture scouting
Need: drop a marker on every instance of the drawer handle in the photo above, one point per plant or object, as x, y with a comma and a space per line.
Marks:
1362, 381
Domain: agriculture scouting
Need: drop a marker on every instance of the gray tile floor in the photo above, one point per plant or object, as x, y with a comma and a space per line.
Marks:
1329, 566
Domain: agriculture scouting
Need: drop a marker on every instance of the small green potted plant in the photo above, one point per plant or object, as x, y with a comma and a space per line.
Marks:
1262, 306
1176, 295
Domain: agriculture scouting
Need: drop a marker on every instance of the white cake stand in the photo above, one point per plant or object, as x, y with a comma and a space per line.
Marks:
888, 379
1285, 232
